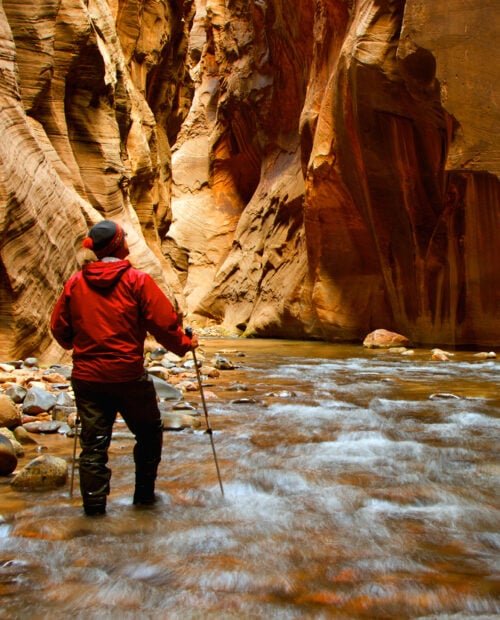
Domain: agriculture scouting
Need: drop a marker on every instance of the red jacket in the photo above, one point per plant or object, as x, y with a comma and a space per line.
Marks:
104, 313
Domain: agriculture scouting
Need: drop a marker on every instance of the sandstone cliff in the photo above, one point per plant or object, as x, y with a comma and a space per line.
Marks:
350, 174
306, 168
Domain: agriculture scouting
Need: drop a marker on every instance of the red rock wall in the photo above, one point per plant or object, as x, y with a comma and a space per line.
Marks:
385, 109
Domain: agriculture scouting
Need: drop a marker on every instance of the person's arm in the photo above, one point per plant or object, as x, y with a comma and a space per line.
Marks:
161, 320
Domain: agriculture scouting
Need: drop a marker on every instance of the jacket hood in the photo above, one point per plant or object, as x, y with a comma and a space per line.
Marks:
104, 274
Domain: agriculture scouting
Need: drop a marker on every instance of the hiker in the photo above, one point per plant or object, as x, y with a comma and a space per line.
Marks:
104, 314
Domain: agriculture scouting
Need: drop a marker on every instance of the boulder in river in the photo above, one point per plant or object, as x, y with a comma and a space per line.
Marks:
42, 473
384, 339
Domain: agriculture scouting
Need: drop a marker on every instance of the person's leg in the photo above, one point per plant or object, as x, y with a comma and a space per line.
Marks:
97, 411
139, 408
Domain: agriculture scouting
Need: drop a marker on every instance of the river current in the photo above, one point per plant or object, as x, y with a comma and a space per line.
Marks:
357, 484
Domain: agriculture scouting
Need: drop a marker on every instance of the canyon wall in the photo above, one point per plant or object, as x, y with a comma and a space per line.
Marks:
302, 169
350, 170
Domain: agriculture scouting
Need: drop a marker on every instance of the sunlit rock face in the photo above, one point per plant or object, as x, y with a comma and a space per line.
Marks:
292, 168
237, 235
350, 179
92, 94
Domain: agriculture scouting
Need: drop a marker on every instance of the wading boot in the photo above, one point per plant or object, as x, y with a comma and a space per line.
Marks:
144, 494
95, 508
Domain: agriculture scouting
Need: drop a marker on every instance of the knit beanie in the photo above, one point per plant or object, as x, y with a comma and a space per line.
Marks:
104, 238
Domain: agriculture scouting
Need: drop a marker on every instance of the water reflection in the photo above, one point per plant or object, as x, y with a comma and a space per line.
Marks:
358, 484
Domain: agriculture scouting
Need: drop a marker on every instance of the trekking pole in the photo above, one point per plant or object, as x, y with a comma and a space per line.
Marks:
77, 421
189, 332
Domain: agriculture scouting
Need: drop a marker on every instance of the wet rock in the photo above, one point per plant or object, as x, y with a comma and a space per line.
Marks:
486, 355
384, 339
65, 429
64, 370
237, 387
164, 390
7, 377
64, 399
7, 367
72, 418
61, 413
42, 473
159, 371
43, 427
210, 371
282, 394
16, 363
9, 414
222, 363
36, 383
172, 357
8, 458
158, 353
41, 417
54, 377
38, 400
244, 401
176, 421
22, 436
166, 363
440, 356
18, 449
443, 395
30, 362
16, 393
188, 386
183, 406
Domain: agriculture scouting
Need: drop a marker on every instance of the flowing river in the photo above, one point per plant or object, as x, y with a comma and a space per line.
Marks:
357, 484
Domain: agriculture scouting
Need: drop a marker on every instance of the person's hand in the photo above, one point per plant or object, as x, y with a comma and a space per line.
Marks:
194, 338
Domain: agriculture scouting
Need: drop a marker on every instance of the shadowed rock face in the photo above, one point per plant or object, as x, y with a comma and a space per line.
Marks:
290, 168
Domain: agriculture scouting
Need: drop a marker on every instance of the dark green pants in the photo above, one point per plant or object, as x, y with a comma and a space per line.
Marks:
98, 405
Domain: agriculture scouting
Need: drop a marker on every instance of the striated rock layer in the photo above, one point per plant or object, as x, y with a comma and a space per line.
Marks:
83, 138
290, 168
